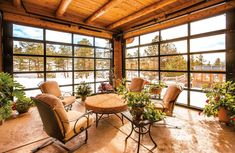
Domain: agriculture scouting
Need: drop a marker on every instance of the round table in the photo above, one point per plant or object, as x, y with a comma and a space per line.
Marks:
105, 104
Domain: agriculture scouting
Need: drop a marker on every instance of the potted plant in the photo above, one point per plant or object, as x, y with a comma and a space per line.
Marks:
83, 90
156, 88
23, 104
9, 88
221, 101
140, 105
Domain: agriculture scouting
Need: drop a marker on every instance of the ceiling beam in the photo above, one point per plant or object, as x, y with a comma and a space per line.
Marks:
104, 9
184, 19
144, 11
63, 7
17, 3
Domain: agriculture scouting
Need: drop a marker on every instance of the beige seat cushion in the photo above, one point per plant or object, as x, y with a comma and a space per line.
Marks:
50, 87
67, 100
137, 84
58, 107
81, 124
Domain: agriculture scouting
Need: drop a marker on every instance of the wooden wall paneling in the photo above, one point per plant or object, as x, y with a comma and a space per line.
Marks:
51, 25
182, 20
230, 45
1, 53
141, 13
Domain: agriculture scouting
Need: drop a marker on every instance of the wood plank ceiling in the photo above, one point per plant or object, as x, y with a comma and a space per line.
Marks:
114, 15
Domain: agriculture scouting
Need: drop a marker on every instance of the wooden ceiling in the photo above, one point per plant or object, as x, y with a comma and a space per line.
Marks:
114, 15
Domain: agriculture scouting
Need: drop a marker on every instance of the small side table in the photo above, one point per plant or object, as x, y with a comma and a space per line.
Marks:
140, 127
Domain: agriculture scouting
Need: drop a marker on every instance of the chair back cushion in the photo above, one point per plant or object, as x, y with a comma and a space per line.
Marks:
137, 84
56, 106
50, 87
171, 96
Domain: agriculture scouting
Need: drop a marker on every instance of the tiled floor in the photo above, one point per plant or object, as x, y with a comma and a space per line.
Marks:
197, 135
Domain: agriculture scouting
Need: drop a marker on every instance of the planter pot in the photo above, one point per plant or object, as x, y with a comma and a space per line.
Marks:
223, 115
1, 122
23, 110
137, 113
156, 90
83, 98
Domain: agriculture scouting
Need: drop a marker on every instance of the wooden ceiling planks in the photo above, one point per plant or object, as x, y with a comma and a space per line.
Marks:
115, 14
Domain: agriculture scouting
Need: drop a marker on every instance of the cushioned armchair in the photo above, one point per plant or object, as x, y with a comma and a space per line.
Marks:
137, 85
52, 87
59, 124
169, 99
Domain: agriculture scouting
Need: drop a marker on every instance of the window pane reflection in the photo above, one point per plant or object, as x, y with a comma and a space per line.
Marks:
197, 99
100, 42
174, 32
149, 63
83, 40
56, 63
83, 76
58, 50
149, 50
27, 63
102, 75
133, 52
175, 77
102, 64
200, 79
58, 36
84, 64
62, 78
83, 52
174, 62
174, 47
149, 38
149, 76
27, 32
208, 62
134, 41
24, 47
131, 63
29, 80
103, 53
210, 43
214, 23
131, 74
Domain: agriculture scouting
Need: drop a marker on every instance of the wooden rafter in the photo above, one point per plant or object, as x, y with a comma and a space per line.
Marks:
63, 7
144, 11
17, 3
103, 10
184, 19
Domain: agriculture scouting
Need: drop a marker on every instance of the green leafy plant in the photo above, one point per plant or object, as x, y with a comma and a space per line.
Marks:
220, 95
23, 104
83, 89
156, 88
141, 107
9, 88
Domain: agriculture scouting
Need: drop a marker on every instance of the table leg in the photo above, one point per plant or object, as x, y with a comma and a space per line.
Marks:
155, 145
96, 120
132, 128
138, 149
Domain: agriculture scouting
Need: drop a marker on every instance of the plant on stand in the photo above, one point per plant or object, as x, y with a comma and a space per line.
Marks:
221, 101
140, 105
9, 88
23, 104
156, 88
83, 90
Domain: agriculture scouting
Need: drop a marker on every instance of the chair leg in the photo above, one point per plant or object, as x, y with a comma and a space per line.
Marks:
45, 144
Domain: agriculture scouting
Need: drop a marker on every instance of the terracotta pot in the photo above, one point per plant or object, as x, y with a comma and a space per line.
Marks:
223, 115
23, 110
1, 122
137, 113
83, 98
156, 90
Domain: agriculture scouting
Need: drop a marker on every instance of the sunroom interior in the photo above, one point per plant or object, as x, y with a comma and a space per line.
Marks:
185, 42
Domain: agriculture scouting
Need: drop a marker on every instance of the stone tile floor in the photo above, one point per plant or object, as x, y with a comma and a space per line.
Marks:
197, 134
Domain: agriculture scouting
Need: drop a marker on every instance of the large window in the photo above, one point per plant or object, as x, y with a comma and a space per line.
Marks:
42, 54
191, 55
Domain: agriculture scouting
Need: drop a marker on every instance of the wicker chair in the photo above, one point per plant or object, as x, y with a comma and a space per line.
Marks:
137, 85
